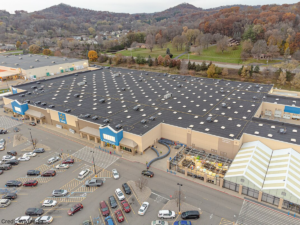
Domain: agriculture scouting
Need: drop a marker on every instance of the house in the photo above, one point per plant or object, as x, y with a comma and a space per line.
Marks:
141, 45
262, 56
233, 42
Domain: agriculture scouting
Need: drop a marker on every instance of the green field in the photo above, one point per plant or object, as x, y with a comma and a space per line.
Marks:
156, 51
210, 54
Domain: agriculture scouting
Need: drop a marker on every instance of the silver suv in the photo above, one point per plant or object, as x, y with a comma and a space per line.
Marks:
59, 193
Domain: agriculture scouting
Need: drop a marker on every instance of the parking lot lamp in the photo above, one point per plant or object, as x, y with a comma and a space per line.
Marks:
94, 164
180, 185
31, 138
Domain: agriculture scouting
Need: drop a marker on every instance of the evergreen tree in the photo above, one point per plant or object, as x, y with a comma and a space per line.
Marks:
198, 68
240, 70
168, 51
155, 62
165, 63
251, 71
189, 65
109, 61
193, 66
150, 61
170, 64
203, 66
256, 69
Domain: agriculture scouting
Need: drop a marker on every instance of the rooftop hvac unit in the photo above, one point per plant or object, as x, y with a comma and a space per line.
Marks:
16, 64
81, 83
31, 67
20, 57
167, 96
53, 62
37, 60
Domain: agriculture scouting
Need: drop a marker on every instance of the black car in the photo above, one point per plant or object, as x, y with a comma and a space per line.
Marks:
33, 172
34, 212
3, 131
13, 183
147, 173
13, 162
190, 215
126, 188
10, 196
39, 150
112, 202
13, 153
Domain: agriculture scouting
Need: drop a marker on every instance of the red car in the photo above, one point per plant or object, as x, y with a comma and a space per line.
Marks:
49, 173
119, 215
31, 183
104, 209
68, 161
126, 206
76, 208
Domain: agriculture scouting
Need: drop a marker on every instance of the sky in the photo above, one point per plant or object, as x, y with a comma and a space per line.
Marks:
127, 6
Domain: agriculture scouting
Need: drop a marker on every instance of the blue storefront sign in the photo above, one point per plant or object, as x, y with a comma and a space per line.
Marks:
19, 108
109, 135
62, 118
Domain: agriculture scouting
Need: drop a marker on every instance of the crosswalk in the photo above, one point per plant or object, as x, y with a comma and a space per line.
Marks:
253, 213
6, 122
101, 158
41, 180
65, 199
226, 222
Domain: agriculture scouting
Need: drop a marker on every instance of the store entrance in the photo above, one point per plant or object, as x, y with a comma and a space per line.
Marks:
110, 145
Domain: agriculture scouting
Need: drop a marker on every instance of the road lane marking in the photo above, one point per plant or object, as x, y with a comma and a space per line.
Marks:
101, 216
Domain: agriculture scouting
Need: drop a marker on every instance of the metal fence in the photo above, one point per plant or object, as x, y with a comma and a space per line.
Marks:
231, 186
250, 192
291, 206
270, 199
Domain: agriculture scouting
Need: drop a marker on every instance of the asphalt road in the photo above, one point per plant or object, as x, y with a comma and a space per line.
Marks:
215, 206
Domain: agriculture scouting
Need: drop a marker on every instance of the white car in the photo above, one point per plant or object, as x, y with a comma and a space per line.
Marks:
115, 173
24, 158
143, 208
62, 166
120, 194
43, 219
8, 157
49, 203
159, 222
53, 159
166, 214
29, 154
23, 220
83, 173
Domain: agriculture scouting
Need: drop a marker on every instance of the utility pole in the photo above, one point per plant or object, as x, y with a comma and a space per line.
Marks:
31, 138
94, 164
180, 185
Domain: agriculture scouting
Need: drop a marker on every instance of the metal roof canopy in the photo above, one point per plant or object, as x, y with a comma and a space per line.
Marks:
128, 143
91, 131
34, 113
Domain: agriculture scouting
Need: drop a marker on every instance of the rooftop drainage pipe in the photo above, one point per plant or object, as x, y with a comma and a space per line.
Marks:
161, 141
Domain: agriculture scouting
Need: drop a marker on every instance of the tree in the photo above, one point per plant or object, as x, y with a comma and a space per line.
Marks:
18, 44
198, 50
240, 70
24, 45
222, 44
117, 59
296, 81
273, 50
296, 55
160, 60
91, 30
183, 67
109, 60
57, 53
249, 34
260, 47
150, 62
256, 69
225, 72
93, 56
155, 62
198, 68
282, 78
287, 53
35, 49
203, 66
161, 42
47, 52
150, 41
189, 65
211, 71
168, 51
141, 183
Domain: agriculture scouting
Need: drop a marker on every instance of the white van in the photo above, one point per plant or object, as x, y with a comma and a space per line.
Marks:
4, 203
166, 214
83, 173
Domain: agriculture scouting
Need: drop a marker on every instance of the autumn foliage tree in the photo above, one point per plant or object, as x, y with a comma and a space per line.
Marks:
47, 52
24, 45
35, 49
18, 44
93, 56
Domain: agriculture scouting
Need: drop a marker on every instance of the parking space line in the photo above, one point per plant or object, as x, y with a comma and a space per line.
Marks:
101, 216
79, 168
112, 216
172, 222
71, 185
135, 195
91, 220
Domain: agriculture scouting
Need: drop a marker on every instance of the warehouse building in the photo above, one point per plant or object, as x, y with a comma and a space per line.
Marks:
36, 66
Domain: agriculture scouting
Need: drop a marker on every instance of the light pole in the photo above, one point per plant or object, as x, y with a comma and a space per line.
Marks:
180, 185
31, 138
94, 163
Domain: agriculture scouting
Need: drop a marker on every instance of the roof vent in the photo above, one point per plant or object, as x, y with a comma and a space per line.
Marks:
136, 108
37, 60
282, 131
53, 62
31, 66
16, 64
143, 121
152, 118
209, 119
20, 58
118, 127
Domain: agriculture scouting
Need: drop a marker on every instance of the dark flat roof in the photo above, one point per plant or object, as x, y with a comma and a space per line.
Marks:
25, 61
284, 100
189, 106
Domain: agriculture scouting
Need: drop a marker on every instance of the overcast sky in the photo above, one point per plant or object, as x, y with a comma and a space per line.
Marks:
127, 6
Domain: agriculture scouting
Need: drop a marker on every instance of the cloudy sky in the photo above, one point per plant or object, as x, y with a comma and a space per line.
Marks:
127, 6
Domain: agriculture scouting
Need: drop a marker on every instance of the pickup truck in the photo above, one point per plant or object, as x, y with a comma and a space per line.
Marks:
93, 183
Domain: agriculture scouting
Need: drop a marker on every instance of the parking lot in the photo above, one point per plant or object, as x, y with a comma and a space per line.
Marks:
90, 197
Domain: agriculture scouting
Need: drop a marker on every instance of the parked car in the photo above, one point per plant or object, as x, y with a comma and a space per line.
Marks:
94, 182
182, 222
109, 221
10, 196
125, 206
193, 214
159, 222
39, 150
119, 215
8, 157
33, 173
49, 173
59, 193
3, 131
115, 174
76, 208
49, 203
62, 166
32, 124
119, 194
23, 220
143, 208
24, 159
104, 209
16, 129
1, 172
83, 173
29, 154
4, 203
2, 147
147, 173
86, 222
126, 189
68, 161
30, 183
2, 141
166, 214
112, 202
13, 183
13, 162
5, 166
34, 212
53, 159
44, 220
13, 153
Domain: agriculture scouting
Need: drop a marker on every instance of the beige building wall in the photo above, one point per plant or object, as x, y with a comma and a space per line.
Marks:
136, 138
71, 120
294, 94
7, 100
55, 68
174, 133
151, 137
259, 111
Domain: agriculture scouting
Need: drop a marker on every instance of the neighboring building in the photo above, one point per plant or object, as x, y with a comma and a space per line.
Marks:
35, 66
233, 42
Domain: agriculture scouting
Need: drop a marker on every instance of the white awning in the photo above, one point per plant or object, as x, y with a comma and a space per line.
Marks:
128, 143
31, 112
91, 131
8, 106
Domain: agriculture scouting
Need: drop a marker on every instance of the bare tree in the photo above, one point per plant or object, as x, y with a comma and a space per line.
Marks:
176, 42
161, 42
141, 183
18, 137
282, 78
150, 41
260, 47
217, 37
206, 40
183, 67
296, 81
198, 50
273, 50
222, 44
297, 55
176, 196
